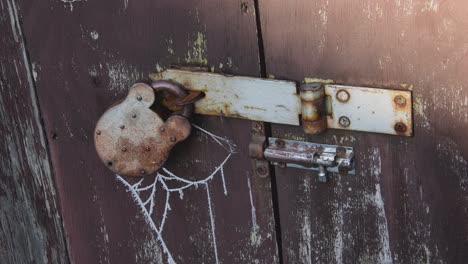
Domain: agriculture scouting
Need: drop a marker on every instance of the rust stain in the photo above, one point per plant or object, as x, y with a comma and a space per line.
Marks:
132, 140
254, 108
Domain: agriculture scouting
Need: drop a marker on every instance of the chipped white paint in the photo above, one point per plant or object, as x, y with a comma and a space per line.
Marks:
305, 241
277, 101
338, 226
70, 3
255, 237
370, 109
237, 96
375, 163
166, 176
170, 44
420, 107
35, 68
431, 5
122, 76
197, 50
449, 151
94, 35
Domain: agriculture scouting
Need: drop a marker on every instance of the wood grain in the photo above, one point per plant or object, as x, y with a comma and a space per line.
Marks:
86, 55
408, 202
30, 225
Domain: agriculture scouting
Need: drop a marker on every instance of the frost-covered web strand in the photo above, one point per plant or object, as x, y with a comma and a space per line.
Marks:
213, 229
148, 205
148, 218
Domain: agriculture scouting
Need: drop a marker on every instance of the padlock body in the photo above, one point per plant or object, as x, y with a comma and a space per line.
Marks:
133, 140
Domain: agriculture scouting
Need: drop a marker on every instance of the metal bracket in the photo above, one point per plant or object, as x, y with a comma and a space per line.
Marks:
316, 107
304, 155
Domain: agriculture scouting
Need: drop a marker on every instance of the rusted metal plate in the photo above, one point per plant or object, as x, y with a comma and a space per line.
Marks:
132, 140
370, 109
256, 99
352, 108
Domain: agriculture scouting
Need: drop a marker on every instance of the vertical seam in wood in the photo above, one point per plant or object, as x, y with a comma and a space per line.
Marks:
267, 126
42, 131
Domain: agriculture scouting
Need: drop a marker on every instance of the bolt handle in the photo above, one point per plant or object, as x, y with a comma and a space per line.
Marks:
133, 140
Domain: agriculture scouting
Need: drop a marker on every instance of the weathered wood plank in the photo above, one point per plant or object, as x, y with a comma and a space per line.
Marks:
87, 54
408, 202
30, 225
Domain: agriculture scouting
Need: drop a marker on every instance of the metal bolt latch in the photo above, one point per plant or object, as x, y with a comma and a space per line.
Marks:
304, 155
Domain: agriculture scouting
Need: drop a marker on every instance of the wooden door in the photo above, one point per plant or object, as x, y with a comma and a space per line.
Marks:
84, 55
63, 63
408, 201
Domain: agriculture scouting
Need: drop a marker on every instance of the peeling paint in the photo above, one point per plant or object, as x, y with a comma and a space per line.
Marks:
197, 53
122, 76
94, 35
317, 80
384, 255
70, 3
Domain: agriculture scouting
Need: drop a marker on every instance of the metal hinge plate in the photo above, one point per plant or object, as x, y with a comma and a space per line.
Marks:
329, 106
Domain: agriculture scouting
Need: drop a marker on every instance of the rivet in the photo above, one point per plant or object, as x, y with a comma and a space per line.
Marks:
139, 98
122, 126
341, 152
124, 149
280, 143
400, 100
147, 148
162, 129
400, 127
344, 121
98, 132
262, 171
258, 126
173, 139
342, 96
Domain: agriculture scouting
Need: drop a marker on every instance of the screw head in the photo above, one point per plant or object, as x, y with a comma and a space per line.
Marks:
122, 126
147, 148
280, 143
134, 116
124, 149
173, 139
98, 132
344, 121
258, 126
162, 129
139, 98
400, 127
262, 171
400, 100
343, 96
340, 151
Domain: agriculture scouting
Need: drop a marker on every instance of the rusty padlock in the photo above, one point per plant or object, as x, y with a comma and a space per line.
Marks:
132, 139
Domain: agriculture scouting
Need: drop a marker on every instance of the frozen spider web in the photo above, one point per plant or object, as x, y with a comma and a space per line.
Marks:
160, 183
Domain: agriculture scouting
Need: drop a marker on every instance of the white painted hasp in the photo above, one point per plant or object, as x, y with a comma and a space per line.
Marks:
276, 101
250, 98
371, 110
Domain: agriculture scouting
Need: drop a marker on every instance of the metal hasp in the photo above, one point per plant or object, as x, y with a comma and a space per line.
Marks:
305, 155
315, 106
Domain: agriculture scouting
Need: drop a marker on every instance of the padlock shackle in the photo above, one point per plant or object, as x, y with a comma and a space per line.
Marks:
178, 91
